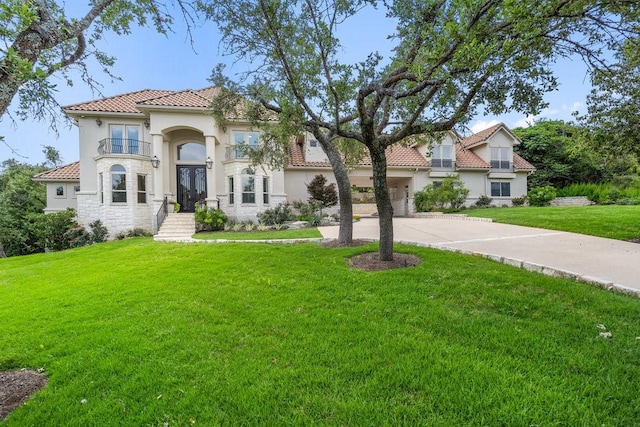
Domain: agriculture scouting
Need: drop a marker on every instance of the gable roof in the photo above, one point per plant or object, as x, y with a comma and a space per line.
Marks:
482, 136
70, 172
396, 156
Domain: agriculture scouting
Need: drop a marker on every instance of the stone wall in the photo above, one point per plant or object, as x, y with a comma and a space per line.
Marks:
571, 201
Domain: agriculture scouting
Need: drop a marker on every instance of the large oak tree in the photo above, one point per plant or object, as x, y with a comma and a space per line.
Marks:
451, 58
39, 38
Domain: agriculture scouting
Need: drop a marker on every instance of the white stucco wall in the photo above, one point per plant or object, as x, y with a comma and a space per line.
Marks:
56, 203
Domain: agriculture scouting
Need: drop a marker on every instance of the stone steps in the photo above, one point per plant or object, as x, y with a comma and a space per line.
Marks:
177, 226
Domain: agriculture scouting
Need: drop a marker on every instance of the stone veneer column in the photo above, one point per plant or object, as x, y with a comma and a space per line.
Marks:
158, 182
212, 197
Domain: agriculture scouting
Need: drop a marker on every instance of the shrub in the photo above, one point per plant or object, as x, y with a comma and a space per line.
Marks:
134, 232
277, 215
210, 219
541, 196
483, 202
99, 232
450, 194
519, 201
323, 193
307, 209
51, 229
77, 237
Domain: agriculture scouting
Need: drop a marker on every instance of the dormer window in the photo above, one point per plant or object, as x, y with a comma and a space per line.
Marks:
500, 158
442, 156
313, 143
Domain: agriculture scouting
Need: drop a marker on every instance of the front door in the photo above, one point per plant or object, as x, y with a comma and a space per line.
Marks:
192, 187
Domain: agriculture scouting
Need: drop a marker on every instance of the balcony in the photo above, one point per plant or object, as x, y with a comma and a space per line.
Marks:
503, 165
124, 146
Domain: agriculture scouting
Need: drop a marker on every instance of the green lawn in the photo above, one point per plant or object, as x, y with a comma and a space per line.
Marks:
615, 222
302, 233
154, 334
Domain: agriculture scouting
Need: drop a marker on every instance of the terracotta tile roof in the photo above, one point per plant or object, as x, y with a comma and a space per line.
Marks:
185, 98
70, 172
521, 164
466, 159
482, 136
125, 103
396, 156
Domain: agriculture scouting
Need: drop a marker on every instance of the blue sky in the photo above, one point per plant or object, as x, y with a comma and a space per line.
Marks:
147, 60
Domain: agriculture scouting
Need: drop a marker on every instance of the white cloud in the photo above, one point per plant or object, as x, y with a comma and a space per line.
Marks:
482, 125
525, 122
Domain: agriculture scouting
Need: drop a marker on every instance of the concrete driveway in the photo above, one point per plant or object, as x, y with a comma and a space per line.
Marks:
612, 264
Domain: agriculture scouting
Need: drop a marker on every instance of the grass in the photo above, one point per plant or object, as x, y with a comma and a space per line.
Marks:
302, 233
154, 333
614, 222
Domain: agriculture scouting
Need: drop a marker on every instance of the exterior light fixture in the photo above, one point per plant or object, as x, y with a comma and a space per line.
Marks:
146, 124
99, 122
155, 161
209, 163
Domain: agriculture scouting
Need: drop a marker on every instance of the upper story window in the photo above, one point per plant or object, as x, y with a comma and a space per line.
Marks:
442, 156
124, 139
244, 140
118, 184
60, 191
313, 143
500, 157
192, 151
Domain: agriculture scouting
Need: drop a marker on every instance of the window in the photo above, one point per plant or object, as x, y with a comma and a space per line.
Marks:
437, 184
142, 189
192, 151
248, 186
60, 191
500, 158
242, 140
313, 143
265, 190
125, 139
118, 184
232, 194
501, 189
76, 190
101, 185
441, 156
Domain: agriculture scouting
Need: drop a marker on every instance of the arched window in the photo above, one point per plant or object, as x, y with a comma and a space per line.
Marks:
248, 186
118, 184
192, 151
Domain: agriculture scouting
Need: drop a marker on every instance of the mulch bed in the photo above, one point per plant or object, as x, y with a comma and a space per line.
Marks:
371, 261
16, 387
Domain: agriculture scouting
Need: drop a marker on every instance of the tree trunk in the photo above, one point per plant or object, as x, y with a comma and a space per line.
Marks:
345, 233
383, 202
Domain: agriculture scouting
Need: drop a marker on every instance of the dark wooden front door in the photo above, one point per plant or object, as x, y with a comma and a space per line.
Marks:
192, 187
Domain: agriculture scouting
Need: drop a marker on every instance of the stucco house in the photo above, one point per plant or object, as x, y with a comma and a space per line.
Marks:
142, 149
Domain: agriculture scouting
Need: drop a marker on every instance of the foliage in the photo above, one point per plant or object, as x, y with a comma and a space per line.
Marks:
176, 207
99, 232
210, 219
613, 222
613, 117
483, 201
20, 199
290, 335
276, 215
325, 193
519, 201
309, 210
605, 193
53, 230
450, 194
450, 59
134, 232
541, 196
42, 40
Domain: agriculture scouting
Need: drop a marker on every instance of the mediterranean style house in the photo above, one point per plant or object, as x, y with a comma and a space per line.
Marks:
144, 151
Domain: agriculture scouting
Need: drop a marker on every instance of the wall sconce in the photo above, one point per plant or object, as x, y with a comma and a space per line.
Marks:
146, 124
99, 122
155, 161
209, 163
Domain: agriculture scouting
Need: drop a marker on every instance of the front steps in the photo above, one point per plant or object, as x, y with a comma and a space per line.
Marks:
177, 227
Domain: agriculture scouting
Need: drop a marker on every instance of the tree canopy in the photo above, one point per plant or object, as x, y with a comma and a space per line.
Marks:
451, 60
39, 38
